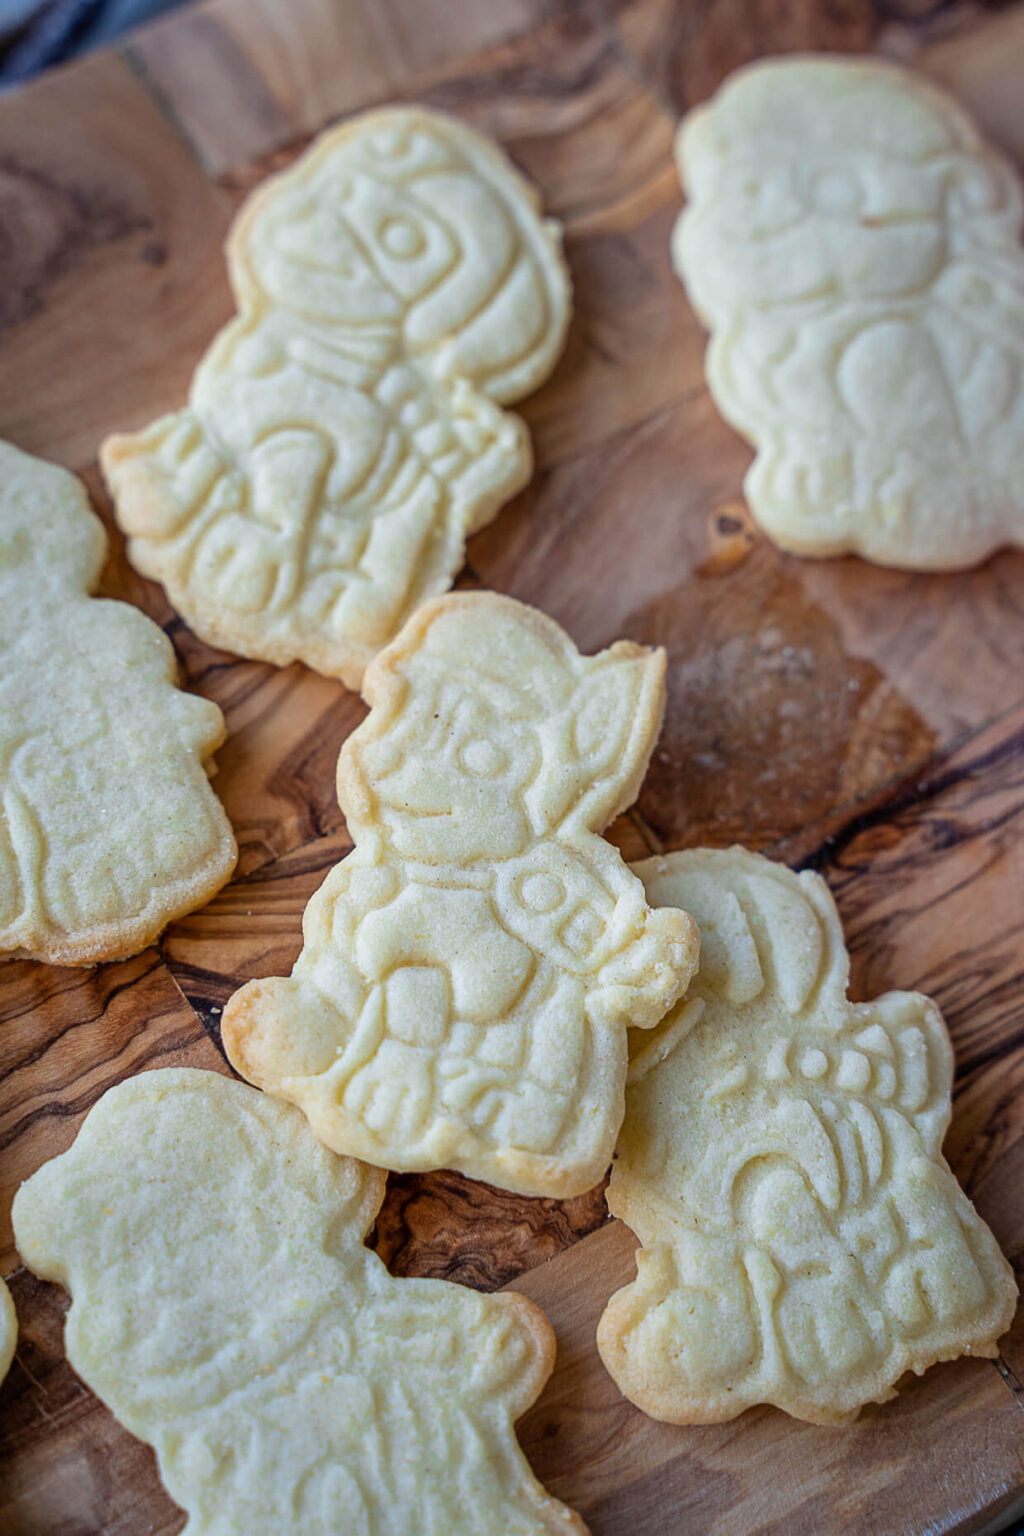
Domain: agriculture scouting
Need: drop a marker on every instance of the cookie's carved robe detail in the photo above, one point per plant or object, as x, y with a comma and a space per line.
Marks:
226, 1311
344, 434
804, 1242
470, 969
855, 248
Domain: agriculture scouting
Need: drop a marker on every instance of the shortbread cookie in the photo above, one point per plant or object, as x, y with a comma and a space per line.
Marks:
344, 434
854, 247
804, 1242
8, 1330
226, 1311
470, 969
108, 825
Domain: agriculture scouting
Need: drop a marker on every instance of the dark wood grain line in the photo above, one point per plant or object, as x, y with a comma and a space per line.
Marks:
80, 999
68, 222
205, 993
449, 1227
682, 52
1010, 1377
163, 102
907, 793
107, 1066
604, 15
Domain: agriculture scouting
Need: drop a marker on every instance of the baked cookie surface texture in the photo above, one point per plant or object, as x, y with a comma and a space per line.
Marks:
225, 1310
855, 249
8, 1329
344, 434
469, 970
108, 825
804, 1241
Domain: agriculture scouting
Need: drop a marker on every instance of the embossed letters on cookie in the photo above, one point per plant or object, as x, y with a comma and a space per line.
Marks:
344, 434
108, 825
854, 247
470, 969
225, 1309
804, 1242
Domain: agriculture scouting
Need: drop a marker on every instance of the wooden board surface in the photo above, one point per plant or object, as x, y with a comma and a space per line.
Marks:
865, 723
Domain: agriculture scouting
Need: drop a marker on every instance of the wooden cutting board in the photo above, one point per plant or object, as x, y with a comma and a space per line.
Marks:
861, 722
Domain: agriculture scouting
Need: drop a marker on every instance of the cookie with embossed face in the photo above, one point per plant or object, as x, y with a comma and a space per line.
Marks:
108, 825
344, 433
804, 1241
225, 1309
470, 969
854, 247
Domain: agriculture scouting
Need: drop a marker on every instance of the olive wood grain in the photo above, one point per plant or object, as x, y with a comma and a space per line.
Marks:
867, 723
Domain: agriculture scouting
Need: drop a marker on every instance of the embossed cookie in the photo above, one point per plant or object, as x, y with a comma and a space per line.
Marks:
804, 1241
8, 1330
344, 434
226, 1311
470, 969
854, 247
108, 825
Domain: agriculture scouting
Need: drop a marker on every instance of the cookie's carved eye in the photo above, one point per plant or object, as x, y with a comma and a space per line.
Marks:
482, 758
402, 238
582, 933
541, 892
836, 193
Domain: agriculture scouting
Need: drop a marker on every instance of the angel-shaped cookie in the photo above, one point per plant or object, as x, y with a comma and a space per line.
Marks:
470, 969
854, 247
108, 825
344, 434
226, 1311
804, 1242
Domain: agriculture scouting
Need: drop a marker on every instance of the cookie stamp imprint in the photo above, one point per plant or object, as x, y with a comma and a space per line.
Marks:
804, 1241
854, 247
470, 969
226, 1311
344, 433
108, 825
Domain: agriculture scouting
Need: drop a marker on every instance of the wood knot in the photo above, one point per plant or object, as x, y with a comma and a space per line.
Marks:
731, 537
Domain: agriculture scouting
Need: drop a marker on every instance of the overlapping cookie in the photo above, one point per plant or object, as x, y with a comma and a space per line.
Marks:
8, 1330
854, 247
804, 1242
470, 969
344, 434
226, 1311
108, 825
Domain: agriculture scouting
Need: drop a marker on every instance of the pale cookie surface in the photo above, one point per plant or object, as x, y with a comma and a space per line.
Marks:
470, 969
804, 1242
344, 434
226, 1311
854, 247
108, 825
8, 1329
